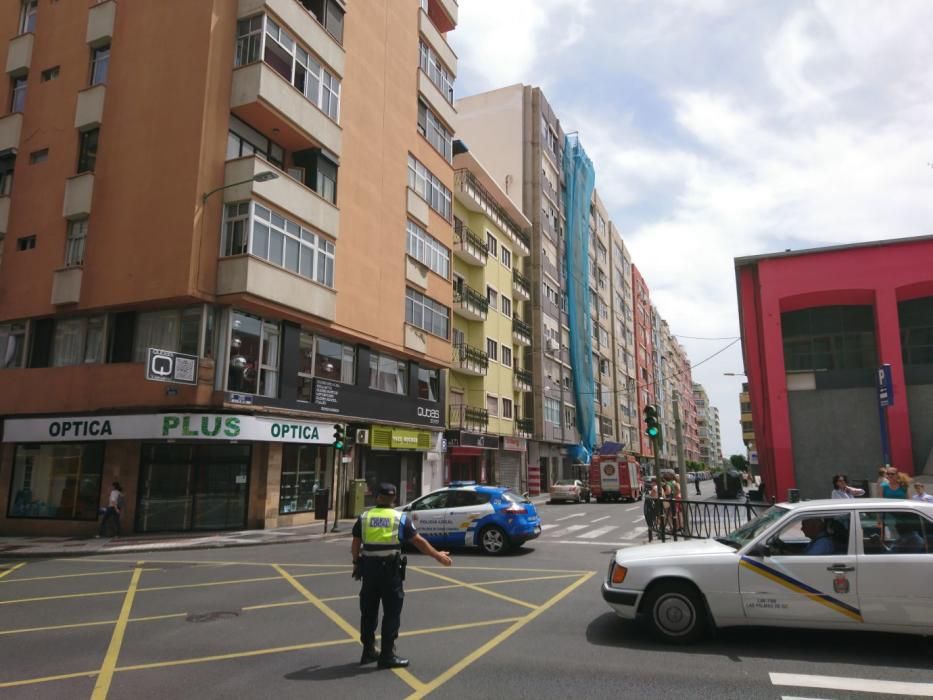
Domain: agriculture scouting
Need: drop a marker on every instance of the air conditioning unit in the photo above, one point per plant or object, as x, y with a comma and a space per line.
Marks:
552, 345
362, 437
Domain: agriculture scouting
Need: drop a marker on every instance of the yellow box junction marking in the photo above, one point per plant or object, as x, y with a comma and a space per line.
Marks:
102, 686
474, 587
12, 569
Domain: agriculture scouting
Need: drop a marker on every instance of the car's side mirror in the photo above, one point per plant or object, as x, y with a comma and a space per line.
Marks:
525, 495
760, 550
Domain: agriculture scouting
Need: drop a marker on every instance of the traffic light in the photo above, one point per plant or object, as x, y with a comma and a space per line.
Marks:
652, 424
340, 438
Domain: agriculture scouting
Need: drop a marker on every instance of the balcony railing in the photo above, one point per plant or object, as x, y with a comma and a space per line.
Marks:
521, 331
522, 380
524, 427
468, 245
463, 417
470, 360
521, 284
470, 303
467, 183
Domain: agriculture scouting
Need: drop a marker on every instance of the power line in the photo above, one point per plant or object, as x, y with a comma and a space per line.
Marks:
695, 337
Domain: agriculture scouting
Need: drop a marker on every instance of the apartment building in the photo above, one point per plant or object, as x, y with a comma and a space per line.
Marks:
710, 442
715, 439
645, 379
489, 381
600, 295
748, 425
627, 418
301, 281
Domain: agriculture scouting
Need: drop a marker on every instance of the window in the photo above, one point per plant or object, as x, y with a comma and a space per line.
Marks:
50, 74
492, 405
916, 321
492, 349
426, 314
431, 189
177, 330
813, 535
74, 243
492, 297
26, 243
570, 419
437, 72
506, 356
328, 13
427, 250
334, 360
57, 481
507, 306
27, 16
12, 344
492, 244
18, 93
896, 533
243, 140
388, 374
434, 131
303, 475
507, 408
78, 341
281, 53
429, 384
87, 150
274, 238
829, 337
254, 351
506, 257
100, 62
552, 410
37, 157
7, 166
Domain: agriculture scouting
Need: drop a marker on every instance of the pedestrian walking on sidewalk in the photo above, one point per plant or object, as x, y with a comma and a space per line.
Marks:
114, 510
377, 561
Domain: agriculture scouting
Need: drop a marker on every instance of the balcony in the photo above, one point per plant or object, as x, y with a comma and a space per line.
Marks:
89, 114
264, 99
284, 194
66, 286
476, 198
4, 214
470, 304
437, 42
470, 360
301, 23
100, 23
521, 332
79, 191
10, 128
438, 102
247, 275
417, 208
415, 339
469, 247
524, 427
522, 380
521, 285
19, 55
462, 417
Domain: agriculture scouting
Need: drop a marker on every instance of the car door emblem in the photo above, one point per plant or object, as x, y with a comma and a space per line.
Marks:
840, 583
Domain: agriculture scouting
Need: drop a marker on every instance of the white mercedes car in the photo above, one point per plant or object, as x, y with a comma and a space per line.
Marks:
853, 564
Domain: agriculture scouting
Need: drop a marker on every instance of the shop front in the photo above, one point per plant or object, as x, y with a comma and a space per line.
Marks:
510, 461
471, 456
393, 455
179, 471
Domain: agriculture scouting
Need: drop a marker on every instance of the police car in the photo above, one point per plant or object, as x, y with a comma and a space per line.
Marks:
846, 564
465, 514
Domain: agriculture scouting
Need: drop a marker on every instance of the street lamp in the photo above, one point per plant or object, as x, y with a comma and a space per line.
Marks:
263, 176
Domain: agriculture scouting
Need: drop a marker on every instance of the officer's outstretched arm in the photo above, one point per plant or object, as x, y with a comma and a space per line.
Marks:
425, 547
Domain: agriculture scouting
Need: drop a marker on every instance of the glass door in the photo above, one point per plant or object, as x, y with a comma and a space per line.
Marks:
221, 488
164, 488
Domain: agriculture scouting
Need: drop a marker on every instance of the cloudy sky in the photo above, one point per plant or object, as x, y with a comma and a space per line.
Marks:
722, 128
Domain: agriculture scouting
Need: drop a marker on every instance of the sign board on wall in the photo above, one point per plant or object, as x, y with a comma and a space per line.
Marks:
169, 366
166, 426
885, 388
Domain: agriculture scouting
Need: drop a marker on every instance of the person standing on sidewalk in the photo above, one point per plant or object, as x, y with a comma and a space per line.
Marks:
114, 510
377, 561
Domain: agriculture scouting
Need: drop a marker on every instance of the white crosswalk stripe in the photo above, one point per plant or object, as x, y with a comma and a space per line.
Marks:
605, 517
568, 530
548, 526
862, 685
632, 534
598, 532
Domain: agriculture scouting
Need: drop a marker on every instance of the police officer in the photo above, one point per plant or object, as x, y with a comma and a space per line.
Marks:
377, 545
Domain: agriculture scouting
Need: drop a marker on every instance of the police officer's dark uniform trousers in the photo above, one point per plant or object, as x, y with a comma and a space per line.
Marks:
381, 566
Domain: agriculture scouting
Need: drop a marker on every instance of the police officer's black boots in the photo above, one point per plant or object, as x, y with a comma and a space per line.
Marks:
370, 654
390, 660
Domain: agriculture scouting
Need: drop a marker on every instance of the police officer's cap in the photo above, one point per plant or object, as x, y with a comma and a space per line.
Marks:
386, 490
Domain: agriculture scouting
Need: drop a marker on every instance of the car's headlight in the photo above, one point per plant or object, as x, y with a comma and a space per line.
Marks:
618, 574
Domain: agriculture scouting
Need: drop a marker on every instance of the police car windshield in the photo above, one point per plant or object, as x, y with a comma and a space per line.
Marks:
513, 497
753, 528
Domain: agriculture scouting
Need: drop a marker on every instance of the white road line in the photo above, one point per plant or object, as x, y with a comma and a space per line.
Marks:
605, 517
617, 545
568, 530
863, 685
797, 697
548, 526
598, 532
633, 508
637, 532
639, 519
574, 515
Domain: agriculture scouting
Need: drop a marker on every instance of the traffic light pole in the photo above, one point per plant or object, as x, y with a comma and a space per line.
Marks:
337, 461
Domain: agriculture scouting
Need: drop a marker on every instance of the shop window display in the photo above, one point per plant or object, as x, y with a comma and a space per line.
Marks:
60, 481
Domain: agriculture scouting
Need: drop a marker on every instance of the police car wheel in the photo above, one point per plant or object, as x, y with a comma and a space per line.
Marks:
675, 612
492, 540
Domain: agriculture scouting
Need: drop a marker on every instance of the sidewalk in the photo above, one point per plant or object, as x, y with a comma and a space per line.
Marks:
33, 547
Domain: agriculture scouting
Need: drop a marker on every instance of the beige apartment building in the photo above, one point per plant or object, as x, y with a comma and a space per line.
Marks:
269, 207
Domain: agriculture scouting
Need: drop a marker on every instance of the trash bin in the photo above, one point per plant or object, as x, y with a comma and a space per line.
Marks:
793, 495
321, 504
356, 497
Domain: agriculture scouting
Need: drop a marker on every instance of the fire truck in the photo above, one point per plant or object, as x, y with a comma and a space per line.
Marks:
615, 478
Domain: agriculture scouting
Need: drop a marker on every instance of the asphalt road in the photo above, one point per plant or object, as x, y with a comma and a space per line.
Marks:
279, 621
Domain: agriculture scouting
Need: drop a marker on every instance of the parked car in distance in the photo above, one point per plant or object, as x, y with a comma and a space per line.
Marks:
569, 490
859, 564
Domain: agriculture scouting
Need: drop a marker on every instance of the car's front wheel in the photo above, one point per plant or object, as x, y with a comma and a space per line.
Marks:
493, 540
675, 612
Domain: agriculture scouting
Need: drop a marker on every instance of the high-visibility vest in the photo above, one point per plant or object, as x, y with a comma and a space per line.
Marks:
382, 530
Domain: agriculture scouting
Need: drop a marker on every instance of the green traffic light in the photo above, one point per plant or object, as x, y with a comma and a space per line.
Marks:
652, 432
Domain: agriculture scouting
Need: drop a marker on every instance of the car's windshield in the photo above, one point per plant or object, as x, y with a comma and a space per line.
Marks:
564, 482
753, 528
513, 497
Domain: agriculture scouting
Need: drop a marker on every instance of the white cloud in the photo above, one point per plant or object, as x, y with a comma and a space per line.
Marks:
724, 129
